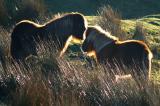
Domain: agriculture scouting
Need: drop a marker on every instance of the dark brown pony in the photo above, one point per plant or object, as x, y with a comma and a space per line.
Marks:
131, 56
61, 30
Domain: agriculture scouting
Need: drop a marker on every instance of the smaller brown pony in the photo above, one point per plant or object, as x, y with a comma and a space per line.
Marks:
131, 56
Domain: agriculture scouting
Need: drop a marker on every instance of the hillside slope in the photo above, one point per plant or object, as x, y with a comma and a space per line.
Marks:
128, 8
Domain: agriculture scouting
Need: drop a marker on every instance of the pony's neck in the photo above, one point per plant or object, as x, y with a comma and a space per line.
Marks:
68, 41
58, 36
100, 42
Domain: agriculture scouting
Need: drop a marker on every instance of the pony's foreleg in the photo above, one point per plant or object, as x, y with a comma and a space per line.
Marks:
65, 46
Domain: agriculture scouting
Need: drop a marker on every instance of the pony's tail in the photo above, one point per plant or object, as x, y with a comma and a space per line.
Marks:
147, 62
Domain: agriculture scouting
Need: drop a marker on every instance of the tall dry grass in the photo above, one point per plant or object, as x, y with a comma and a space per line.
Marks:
140, 33
110, 20
48, 80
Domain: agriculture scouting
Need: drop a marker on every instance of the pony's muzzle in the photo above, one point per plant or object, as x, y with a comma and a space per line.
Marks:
84, 53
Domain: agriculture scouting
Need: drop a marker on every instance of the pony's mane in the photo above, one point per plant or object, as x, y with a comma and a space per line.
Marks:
103, 32
56, 17
100, 37
62, 15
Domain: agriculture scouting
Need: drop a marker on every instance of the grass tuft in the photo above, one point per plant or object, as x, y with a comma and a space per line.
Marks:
110, 20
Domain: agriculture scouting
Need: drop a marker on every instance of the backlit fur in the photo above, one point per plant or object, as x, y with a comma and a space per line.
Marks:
130, 56
26, 34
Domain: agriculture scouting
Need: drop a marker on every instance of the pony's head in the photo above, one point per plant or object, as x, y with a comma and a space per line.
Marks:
66, 25
79, 25
95, 39
89, 37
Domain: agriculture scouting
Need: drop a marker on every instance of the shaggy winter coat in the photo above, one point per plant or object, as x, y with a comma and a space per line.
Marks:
61, 30
127, 57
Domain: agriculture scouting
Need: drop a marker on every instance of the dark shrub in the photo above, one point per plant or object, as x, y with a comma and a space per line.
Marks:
3, 14
12, 11
29, 9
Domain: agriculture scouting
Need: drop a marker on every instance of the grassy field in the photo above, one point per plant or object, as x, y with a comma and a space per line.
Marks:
15, 10
72, 81
128, 8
